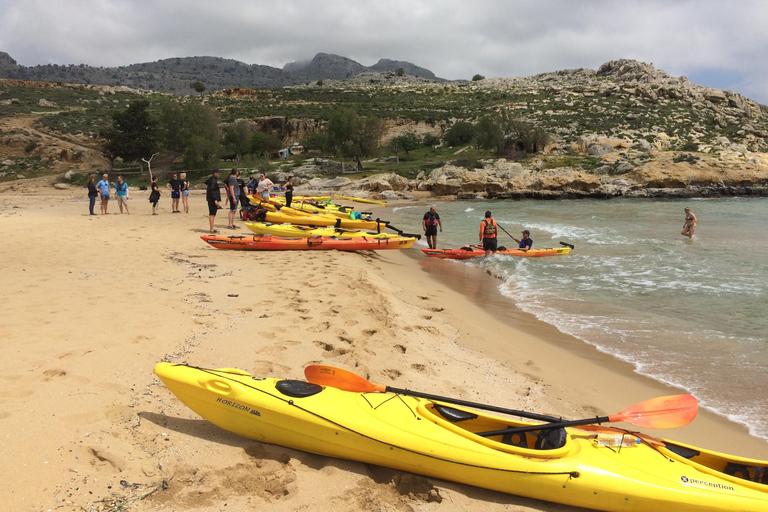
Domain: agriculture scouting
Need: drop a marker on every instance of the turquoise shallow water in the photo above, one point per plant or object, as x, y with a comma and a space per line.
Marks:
693, 314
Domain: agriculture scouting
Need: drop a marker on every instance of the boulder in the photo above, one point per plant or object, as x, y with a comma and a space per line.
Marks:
61, 186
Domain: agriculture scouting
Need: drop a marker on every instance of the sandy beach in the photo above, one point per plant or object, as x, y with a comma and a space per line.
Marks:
91, 303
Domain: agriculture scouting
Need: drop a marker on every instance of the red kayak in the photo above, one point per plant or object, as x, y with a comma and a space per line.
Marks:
474, 251
276, 243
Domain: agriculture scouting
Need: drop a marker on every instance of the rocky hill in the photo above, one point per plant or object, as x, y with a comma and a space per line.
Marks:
623, 129
176, 75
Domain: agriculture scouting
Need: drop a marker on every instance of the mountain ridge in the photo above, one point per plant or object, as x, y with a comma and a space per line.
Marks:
177, 74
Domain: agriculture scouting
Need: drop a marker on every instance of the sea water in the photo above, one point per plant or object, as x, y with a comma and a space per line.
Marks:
690, 313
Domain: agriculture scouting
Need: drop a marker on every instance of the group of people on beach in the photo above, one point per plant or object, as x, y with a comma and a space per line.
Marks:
101, 190
237, 192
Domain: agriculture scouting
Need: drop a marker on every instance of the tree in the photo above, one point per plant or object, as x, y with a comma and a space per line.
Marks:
133, 134
407, 143
317, 141
477, 78
490, 133
265, 143
462, 132
237, 139
354, 136
192, 131
198, 86
400, 71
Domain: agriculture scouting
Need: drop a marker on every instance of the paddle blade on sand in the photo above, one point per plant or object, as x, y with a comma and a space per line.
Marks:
662, 412
340, 379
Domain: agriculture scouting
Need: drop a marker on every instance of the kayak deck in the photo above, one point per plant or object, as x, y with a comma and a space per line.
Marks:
475, 251
276, 243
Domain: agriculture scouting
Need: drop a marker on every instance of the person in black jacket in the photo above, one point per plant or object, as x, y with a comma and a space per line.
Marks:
213, 196
92, 193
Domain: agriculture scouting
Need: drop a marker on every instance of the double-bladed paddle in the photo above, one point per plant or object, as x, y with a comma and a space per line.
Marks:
348, 381
663, 412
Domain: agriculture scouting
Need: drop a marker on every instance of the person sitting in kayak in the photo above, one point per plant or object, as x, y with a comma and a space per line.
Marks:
488, 229
526, 243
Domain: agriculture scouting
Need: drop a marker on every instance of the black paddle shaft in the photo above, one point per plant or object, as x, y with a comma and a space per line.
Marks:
522, 414
548, 426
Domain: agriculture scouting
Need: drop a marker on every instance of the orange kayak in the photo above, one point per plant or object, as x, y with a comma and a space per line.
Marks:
276, 243
474, 251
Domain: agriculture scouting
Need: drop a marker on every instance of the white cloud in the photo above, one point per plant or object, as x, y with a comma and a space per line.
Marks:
453, 38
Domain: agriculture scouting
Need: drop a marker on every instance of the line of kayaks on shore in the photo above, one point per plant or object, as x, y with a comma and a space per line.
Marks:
318, 224
589, 465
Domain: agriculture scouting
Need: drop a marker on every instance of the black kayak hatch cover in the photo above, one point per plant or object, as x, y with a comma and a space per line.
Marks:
298, 388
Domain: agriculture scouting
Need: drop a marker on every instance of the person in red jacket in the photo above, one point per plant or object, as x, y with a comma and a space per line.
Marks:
488, 230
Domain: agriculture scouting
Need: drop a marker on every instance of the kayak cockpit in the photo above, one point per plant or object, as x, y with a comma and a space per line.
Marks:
546, 443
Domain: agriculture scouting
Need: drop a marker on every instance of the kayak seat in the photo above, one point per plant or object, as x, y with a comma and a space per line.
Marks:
454, 415
746, 472
550, 439
518, 439
297, 388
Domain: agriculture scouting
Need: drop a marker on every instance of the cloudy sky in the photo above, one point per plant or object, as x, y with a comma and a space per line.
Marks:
715, 43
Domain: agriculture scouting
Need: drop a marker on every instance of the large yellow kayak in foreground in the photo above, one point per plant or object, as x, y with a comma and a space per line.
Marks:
595, 468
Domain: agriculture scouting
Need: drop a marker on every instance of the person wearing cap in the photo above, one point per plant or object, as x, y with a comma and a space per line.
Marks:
488, 231
103, 187
526, 243
213, 196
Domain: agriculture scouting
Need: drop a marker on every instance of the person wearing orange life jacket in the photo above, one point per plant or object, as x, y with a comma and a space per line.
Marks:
488, 230
429, 223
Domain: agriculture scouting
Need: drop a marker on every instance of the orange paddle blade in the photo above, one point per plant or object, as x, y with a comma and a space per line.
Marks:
662, 412
340, 379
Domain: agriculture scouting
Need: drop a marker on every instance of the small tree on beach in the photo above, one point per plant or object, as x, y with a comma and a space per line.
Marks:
133, 133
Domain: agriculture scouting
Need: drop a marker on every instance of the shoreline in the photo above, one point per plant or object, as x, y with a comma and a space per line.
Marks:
593, 382
92, 303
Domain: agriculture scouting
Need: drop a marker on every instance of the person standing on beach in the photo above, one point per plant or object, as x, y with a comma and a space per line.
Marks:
429, 224
251, 185
233, 196
103, 187
154, 196
264, 186
689, 227
93, 193
174, 185
288, 191
526, 243
121, 194
488, 230
185, 192
213, 196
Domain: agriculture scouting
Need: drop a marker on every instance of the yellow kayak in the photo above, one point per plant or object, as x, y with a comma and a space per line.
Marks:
595, 468
323, 220
360, 200
293, 230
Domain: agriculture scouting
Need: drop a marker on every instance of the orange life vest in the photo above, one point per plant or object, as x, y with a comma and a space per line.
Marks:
488, 227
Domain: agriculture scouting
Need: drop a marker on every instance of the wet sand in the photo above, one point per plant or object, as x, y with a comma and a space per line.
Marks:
92, 303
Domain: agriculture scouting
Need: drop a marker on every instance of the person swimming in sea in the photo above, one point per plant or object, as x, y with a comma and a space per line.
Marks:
689, 227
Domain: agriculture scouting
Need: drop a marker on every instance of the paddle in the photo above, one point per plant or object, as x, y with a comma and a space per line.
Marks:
568, 245
507, 232
662, 412
348, 381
